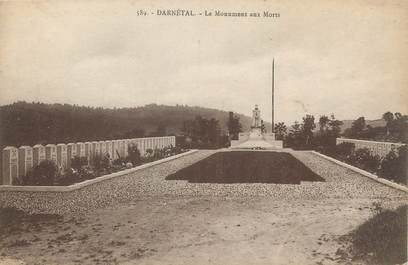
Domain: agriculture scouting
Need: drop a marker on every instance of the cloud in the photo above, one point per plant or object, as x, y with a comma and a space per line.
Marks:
328, 60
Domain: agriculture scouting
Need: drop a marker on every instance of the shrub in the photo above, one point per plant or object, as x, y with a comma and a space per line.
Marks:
363, 159
69, 177
119, 162
149, 152
134, 155
44, 174
158, 153
394, 166
78, 163
344, 150
101, 163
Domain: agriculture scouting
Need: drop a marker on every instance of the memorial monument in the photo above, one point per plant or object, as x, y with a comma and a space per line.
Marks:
256, 138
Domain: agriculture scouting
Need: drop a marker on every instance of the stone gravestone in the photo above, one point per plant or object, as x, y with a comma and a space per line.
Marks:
97, 148
51, 153
62, 156
115, 149
94, 149
25, 160
88, 151
38, 154
122, 147
127, 142
103, 148
109, 148
71, 153
142, 146
147, 143
10, 165
81, 149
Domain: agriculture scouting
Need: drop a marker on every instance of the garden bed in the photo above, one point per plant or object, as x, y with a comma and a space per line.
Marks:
46, 174
392, 167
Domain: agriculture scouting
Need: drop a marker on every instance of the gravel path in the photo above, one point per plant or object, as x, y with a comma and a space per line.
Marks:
340, 183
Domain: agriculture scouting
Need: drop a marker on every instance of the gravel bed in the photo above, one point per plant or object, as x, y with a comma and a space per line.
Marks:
339, 183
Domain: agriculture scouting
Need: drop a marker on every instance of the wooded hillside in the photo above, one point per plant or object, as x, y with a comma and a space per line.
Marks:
25, 123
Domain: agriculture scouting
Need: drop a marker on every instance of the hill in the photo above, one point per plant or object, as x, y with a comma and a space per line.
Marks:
373, 123
25, 123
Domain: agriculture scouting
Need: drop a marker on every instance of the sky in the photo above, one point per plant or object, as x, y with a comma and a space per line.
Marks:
347, 58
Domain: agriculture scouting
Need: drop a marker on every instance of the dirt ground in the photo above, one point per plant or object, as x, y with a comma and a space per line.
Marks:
193, 230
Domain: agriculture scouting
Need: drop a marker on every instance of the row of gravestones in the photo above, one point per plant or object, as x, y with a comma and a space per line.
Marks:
17, 161
376, 148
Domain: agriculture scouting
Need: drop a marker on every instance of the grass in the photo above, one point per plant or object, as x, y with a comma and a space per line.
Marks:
247, 167
382, 239
16, 221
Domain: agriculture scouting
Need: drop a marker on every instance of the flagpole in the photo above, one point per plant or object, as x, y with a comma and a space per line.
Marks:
273, 95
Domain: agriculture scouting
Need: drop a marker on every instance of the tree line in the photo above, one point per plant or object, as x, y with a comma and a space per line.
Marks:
25, 123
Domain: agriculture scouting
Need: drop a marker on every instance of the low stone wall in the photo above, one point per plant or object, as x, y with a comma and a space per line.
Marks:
377, 148
17, 161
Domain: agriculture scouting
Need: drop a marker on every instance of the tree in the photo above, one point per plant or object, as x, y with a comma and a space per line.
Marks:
203, 133
213, 132
294, 138
307, 129
234, 126
325, 139
357, 128
280, 130
263, 128
323, 122
398, 128
334, 127
388, 117
161, 130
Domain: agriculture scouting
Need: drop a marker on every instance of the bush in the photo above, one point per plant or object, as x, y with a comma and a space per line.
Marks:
344, 150
363, 159
149, 152
101, 163
69, 177
394, 166
134, 155
158, 153
44, 174
47, 172
78, 163
119, 162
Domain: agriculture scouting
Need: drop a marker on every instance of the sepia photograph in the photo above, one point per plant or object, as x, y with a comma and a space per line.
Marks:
264, 132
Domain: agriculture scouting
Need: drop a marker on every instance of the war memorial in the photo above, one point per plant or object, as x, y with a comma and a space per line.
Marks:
276, 205
257, 200
157, 133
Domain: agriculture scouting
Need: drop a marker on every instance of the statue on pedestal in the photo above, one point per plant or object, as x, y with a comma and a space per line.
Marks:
256, 117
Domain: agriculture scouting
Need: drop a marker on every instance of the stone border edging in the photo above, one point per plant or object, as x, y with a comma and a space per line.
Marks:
364, 173
88, 182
